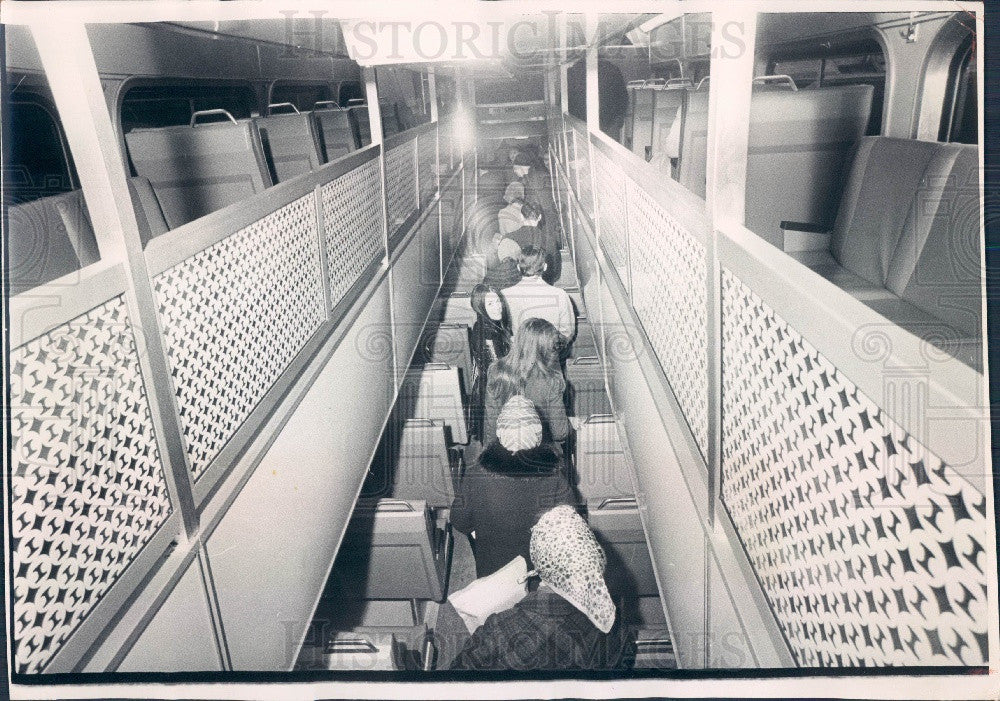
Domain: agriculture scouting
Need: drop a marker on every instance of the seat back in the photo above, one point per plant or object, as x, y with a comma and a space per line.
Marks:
147, 208
618, 528
390, 552
432, 391
292, 143
48, 238
587, 394
880, 188
937, 263
196, 170
360, 115
694, 142
338, 132
642, 121
628, 126
449, 343
602, 470
800, 144
391, 124
667, 106
424, 470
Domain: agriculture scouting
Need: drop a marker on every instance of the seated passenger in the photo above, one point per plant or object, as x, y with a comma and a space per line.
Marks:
531, 368
509, 218
490, 342
534, 297
516, 478
503, 272
569, 622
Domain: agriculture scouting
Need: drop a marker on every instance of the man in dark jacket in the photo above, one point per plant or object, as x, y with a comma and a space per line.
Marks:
538, 190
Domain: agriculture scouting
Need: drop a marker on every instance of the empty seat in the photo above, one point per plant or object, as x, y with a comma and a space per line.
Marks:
667, 104
642, 121
195, 170
585, 342
391, 123
48, 238
618, 528
292, 142
906, 240
602, 470
425, 469
455, 309
433, 391
585, 380
448, 343
337, 130
391, 550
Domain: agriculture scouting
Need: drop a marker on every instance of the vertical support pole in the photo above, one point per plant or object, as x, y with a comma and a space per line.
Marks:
432, 93
725, 202
66, 56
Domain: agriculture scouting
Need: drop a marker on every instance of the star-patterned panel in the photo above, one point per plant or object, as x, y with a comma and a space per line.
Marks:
869, 548
234, 316
401, 183
88, 489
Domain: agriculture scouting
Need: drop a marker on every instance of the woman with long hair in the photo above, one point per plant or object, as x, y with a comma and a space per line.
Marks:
490, 342
532, 368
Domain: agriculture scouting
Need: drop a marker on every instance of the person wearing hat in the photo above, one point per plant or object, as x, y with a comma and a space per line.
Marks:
515, 478
569, 622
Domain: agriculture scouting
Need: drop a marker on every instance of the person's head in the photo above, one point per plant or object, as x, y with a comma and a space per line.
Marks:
532, 261
570, 561
509, 249
487, 302
502, 273
522, 163
514, 192
534, 353
518, 425
531, 212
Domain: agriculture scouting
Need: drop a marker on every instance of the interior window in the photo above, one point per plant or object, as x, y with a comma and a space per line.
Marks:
349, 91
38, 163
303, 95
152, 106
960, 120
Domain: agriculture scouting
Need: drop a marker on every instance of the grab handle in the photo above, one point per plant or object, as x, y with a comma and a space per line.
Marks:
620, 502
270, 107
326, 105
214, 112
780, 78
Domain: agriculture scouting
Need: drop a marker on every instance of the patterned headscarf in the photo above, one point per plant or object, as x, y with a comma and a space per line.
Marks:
518, 425
569, 559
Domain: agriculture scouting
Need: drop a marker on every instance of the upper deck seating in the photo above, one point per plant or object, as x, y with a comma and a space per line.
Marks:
906, 240
391, 124
292, 143
48, 238
799, 146
667, 105
448, 343
425, 469
195, 170
618, 528
337, 131
642, 121
392, 550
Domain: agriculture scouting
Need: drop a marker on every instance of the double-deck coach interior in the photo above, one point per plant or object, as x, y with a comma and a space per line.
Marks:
239, 259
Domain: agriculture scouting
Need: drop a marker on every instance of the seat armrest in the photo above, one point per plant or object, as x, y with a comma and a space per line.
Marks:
803, 236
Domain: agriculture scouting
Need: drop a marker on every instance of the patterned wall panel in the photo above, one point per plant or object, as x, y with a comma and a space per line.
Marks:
869, 548
426, 154
352, 217
401, 183
234, 316
669, 280
613, 214
88, 489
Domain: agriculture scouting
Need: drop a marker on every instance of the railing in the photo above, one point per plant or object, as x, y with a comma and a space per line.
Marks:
847, 522
246, 298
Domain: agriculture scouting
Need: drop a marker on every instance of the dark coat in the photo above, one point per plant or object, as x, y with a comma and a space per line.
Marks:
501, 497
490, 341
544, 632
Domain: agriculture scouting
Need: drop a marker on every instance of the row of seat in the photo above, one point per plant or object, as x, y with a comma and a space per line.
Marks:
800, 143
199, 168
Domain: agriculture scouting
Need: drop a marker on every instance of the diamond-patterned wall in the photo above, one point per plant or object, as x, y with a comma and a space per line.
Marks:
869, 548
669, 283
401, 183
426, 154
234, 316
352, 218
88, 490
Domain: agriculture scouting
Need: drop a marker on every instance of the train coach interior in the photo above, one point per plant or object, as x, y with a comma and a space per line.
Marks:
240, 367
